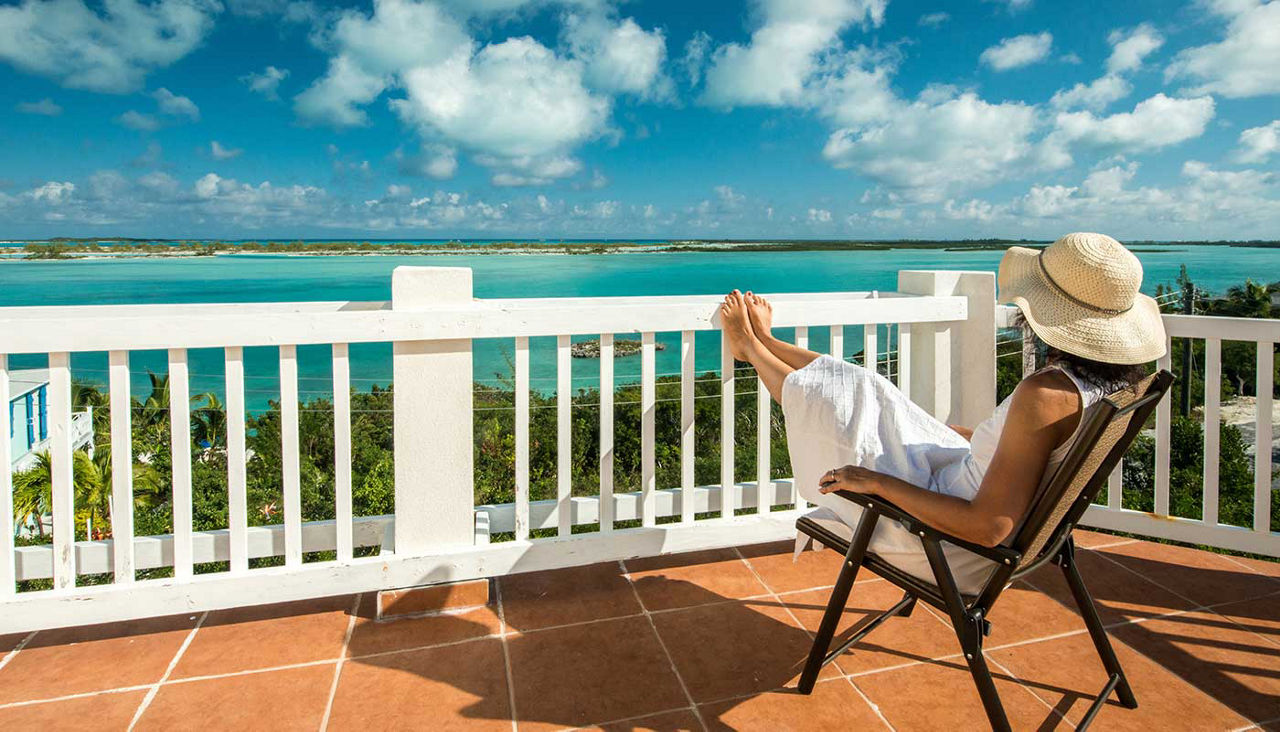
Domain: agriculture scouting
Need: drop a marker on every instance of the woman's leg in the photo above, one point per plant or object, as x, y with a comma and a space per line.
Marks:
743, 344
761, 314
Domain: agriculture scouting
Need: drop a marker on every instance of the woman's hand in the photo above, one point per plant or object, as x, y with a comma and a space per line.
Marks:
852, 478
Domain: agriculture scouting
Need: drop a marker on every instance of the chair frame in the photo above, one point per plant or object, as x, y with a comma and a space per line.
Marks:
968, 614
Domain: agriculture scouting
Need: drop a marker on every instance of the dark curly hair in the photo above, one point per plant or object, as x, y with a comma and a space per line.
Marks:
1109, 377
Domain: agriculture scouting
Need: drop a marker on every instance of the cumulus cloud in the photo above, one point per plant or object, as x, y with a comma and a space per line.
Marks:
620, 56
1257, 144
515, 105
136, 120
1154, 123
45, 107
218, 152
773, 68
1244, 62
1018, 51
266, 82
111, 49
1130, 48
174, 105
695, 56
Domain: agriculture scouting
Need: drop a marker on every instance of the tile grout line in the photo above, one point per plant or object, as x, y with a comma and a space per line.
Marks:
693, 705
596, 725
787, 608
506, 655
1053, 711
69, 697
173, 663
21, 644
342, 656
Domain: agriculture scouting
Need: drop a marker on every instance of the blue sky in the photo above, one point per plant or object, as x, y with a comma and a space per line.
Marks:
591, 118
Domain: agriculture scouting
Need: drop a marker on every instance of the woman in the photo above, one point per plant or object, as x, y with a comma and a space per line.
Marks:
849, 428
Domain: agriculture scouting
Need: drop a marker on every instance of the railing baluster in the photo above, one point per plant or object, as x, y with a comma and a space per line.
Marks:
121, 468
648, 403
342, 450
802, 341
564, 425
1163, 423
290, 455
1262, 443
764, 472
727, 388
1115, 486
606, 432
64, 523
7, 567
904, 360
1212, 426
180, 447
837, 341
237, 479
522, 438
687, 384
870, 352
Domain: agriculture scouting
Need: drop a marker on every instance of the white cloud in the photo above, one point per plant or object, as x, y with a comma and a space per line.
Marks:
45, 107
772, 69
516, 103
1129, 49
1018, 51
53, 192
621, 57
1096, 95
1154, 123
136, 120
218, 152
1257, 144
1244, 62
111, 50
695, 56
925, 149
174, 105
933, 20
266, 82
819, 216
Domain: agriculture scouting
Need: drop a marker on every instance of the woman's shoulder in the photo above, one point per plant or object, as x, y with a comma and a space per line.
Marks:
1049, 393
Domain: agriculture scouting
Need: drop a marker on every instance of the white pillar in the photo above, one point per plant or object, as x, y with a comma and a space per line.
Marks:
433, 419
953, 365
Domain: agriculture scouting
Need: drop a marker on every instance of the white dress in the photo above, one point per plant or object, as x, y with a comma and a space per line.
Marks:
839, 413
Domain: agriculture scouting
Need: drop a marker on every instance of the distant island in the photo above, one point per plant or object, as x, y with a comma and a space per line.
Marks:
80, 248
621, 347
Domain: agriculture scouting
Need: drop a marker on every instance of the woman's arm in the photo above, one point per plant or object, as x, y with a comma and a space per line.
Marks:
964, 432
1043, 414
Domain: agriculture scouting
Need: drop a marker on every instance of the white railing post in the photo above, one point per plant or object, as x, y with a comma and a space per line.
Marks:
433, 420
953, 365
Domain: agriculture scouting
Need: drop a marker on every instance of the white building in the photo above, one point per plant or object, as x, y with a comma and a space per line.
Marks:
29, 419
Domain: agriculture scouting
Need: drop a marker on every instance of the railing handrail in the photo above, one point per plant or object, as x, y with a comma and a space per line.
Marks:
70, 329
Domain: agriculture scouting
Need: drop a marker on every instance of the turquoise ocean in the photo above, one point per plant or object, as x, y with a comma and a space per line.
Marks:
284, 278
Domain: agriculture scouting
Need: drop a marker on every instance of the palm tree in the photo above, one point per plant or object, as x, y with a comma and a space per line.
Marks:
33, 490
208, 422
149, 486
89, 396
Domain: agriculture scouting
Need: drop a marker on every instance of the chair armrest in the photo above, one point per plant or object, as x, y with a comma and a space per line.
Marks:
889, 509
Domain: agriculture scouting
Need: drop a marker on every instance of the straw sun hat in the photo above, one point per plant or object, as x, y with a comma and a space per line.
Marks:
1080, 295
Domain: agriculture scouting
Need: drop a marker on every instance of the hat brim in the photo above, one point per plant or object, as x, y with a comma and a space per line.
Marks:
1132, 337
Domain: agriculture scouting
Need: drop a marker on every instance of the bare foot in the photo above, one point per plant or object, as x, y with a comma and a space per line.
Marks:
736, 325
760, 311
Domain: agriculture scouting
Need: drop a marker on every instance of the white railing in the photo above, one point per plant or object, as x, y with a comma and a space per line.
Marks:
946, 353
1207, 529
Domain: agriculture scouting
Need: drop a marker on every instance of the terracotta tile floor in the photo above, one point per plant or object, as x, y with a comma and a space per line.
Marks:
710, 640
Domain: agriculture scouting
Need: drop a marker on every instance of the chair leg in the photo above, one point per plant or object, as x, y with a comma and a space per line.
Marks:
970, 627
1084, 601
839, 598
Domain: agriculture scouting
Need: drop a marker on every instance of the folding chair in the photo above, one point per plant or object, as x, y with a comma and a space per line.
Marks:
1109, 428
